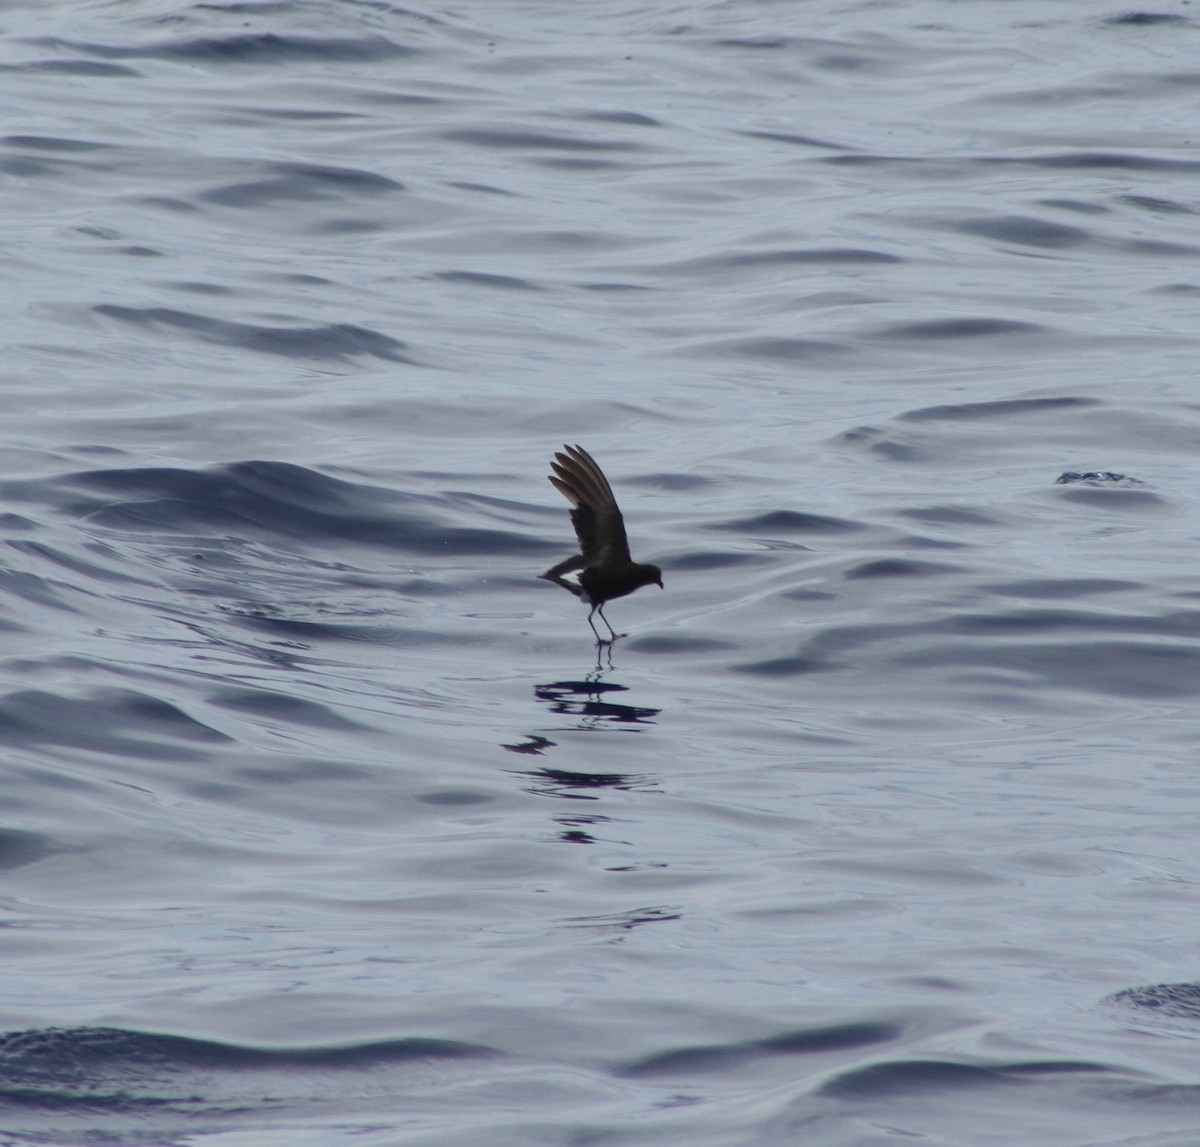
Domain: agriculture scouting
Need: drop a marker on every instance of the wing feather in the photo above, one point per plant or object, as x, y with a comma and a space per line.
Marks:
596, 517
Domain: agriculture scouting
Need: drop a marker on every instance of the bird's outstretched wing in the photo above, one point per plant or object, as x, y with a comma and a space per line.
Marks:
596, 518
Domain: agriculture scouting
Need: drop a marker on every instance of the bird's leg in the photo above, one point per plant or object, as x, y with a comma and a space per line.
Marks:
615, 634
599, 639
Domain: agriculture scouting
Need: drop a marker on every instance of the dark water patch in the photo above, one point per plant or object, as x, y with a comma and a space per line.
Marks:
110, 1085
675, 482
915, 1077
303, 115
456, 798
1079, 206
270, 499
808, 594
769, 349
280, 708
1049, 621
881, 443
264, 192
336, 342
909, 1077
724, 1057
576, 163
1049, 1067
301, 182
1134, 670
1156, 204
1002, 408
83, 68
349, 226
798, 665
1026, 231
302, 279
197, 288
710, 560
535, 141
248, 48
931, 169
679, 644
1184, 289
105, 233
35, 165
614, 288
964, 328
53, 143
484, 188
1067, 589
920, 542
1157, 247
251, 7
832, 256
481, 279
1145, 19
168, 203
787, 522
76, 564
795, 140
88, 1054
288, 500
949, 516
851, 62
1046, 649
1095, 161
758, 43
26, 586
896, 568
633, 119
166, 515
19, 848
116, 721
1173, 1001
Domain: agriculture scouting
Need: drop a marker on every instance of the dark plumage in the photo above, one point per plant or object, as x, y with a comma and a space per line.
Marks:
604, 568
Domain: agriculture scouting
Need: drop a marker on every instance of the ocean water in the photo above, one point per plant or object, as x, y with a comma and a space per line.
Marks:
326, 822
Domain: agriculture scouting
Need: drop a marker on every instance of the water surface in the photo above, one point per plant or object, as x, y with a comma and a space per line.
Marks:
327, 823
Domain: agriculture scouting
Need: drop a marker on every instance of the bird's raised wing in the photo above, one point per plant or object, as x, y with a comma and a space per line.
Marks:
596, 518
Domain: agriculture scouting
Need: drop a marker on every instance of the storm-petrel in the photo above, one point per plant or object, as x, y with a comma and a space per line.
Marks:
603, 568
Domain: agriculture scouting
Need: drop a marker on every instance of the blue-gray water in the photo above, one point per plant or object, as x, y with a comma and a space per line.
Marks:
322, 823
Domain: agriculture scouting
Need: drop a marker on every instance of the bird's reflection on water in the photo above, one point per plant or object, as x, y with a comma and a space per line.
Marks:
591, 700
568, 784
592, 706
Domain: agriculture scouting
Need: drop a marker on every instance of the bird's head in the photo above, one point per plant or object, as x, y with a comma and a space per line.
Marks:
650, 575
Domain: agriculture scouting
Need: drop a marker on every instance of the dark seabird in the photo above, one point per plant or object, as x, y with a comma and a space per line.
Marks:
603, 568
